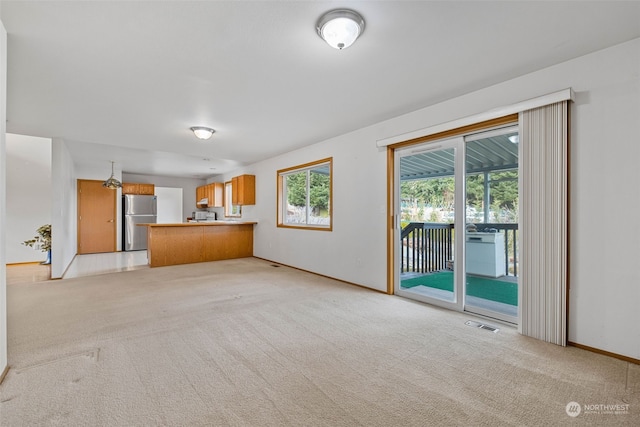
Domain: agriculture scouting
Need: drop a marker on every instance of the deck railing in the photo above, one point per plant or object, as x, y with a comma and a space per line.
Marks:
427, 246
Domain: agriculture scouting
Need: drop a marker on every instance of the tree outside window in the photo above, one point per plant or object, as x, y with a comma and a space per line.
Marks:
304, 194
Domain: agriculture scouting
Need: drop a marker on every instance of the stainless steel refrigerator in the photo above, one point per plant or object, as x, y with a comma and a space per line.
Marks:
137, 210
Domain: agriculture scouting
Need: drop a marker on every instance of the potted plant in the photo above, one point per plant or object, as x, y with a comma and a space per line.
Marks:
42, 241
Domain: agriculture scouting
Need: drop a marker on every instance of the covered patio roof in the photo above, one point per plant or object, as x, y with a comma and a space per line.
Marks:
490, 154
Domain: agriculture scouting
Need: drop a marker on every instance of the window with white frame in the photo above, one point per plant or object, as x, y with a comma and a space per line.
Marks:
229, 208
304, 196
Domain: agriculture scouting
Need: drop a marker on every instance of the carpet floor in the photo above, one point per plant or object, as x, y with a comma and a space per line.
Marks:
243, 343
497, 290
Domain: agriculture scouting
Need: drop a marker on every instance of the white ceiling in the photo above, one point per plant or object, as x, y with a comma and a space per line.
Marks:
124, 81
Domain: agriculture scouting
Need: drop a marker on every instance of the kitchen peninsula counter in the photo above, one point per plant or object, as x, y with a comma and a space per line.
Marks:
189, 242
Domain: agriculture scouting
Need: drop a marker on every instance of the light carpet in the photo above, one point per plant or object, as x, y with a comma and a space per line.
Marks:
243, 343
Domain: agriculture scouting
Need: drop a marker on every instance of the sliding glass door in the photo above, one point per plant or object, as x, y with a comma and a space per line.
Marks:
429, 194
491, 224
456, 223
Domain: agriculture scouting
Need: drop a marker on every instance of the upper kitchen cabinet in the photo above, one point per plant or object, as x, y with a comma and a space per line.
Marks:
201, 194
215, 191
147, 189
140, 189
129, 188
210, 195
243, 190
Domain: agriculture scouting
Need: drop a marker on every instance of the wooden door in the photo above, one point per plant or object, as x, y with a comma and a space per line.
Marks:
96, 217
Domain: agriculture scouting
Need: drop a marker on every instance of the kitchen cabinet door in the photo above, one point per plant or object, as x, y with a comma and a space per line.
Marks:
146, 189
243, 190
140, 189
201, 193
216, 192
129, 188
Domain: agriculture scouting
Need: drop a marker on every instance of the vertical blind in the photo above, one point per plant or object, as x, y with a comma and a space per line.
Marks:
543, 216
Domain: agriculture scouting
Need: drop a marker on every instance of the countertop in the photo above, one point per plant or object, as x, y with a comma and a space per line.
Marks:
198, 224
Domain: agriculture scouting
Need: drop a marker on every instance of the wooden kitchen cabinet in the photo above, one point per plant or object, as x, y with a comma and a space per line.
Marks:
146, 189
213, 192
185, 243
243, 190
140, 189
129, 188
216, 192
200, 194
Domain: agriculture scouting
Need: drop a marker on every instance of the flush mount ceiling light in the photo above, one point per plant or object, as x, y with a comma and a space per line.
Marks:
340, 27
202, 132
112, 183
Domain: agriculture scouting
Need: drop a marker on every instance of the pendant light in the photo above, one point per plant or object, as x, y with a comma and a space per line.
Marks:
112, 183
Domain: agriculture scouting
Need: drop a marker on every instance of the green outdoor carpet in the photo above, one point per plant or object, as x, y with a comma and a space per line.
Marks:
481, 287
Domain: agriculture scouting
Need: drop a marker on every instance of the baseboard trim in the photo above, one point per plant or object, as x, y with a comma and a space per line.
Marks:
605, 353
322, 275
5, 371
22, 264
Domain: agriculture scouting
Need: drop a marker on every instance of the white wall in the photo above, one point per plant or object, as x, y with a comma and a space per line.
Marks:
3, 198
64, 219
188, 186
355, 250
28, 194
605, 244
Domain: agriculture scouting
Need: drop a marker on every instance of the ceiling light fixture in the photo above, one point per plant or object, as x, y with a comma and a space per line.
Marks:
514, 138
202, 132
112, 183
340, 27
